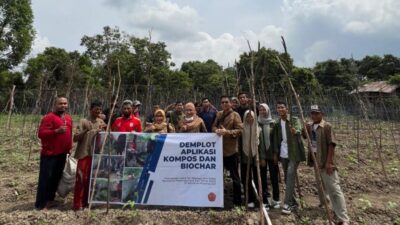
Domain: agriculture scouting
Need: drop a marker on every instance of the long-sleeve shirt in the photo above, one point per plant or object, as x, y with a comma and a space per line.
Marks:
295, 145
55, 143
233, 125
89, 129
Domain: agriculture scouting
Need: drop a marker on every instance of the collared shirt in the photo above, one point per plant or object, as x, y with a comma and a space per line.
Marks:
284, 146
314, 137
130, 124
231, 121
208, 117
325, 136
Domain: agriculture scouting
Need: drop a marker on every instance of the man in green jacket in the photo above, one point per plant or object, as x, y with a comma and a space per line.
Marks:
289, 147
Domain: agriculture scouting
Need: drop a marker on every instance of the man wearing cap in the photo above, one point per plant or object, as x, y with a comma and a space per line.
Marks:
323, 143
127, 122
136, 108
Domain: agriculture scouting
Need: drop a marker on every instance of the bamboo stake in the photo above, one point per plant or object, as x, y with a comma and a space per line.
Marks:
11, 107
396, 149
371, 131
104, 141
316, 166
252, 78
289, 101
246, 189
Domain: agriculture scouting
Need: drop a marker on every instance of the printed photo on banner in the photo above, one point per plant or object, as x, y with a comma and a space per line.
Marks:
129, 183
101, 189
109, 164
138, 148
114, 145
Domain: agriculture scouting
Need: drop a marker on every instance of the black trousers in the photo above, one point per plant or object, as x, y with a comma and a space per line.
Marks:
253, 175
50, 173
273, 175
232, 165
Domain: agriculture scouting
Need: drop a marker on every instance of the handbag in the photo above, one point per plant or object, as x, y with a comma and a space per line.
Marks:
67, 182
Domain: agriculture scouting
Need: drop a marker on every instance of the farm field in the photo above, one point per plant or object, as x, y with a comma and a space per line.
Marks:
371, 198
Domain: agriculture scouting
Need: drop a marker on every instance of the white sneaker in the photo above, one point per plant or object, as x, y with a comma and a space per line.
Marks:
286, 209
251, 205
275, 204
266, 206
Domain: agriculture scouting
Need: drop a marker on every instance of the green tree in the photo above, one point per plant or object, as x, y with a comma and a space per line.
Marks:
201, 74
336, 75
369, 67
268, 72
16, 32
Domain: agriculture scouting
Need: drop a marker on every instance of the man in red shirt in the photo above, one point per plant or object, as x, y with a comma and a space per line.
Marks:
55, 132
127, 122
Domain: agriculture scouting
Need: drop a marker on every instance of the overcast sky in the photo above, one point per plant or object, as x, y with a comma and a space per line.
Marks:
315, 30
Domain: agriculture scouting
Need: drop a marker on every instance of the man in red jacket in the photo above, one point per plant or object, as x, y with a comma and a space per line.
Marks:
55, 132
127, 122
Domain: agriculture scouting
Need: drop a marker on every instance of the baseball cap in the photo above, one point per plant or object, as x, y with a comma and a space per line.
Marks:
315, 108
136, 103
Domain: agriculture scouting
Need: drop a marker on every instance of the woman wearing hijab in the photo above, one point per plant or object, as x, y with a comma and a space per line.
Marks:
267, 156
250, 142
159, 125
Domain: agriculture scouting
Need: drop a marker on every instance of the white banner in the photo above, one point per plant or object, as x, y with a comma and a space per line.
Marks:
174, 169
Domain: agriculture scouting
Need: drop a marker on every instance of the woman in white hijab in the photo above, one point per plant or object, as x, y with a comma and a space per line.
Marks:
267, 156
250, 138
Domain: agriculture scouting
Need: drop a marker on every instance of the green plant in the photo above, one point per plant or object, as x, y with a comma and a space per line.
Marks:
131, 205
239, 211
397, 221
364, 203
392, 205
305, 221
42, 222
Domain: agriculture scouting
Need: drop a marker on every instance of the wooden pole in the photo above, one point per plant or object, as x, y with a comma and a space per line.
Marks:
289, 101
252, 78
108, 130
316, 165
249, 157
11, 106
372, 132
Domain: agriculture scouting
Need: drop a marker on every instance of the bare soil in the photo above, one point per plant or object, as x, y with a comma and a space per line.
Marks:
370, 197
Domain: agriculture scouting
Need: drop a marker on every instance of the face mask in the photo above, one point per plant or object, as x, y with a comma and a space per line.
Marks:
189, 119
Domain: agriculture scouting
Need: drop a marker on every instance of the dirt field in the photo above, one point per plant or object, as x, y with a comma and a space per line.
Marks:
370, 197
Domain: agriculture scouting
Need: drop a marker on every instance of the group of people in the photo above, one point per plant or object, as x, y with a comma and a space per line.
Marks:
246, 132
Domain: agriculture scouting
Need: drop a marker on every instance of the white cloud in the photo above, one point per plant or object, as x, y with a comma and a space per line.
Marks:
358, 27
315, 30
39, 45
168, 20
225, 48
358, 16
318, 51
